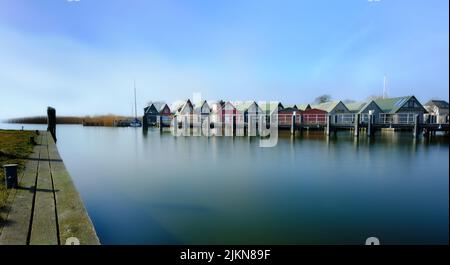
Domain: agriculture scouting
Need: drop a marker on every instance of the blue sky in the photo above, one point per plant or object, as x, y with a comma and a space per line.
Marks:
82, 57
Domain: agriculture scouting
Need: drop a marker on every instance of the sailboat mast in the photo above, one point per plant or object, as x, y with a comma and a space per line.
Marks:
135, 105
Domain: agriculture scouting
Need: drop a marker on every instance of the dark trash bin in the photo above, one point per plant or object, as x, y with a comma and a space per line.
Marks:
11, 176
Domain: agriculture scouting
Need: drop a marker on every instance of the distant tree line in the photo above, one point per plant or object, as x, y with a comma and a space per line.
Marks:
103, 120
327, 98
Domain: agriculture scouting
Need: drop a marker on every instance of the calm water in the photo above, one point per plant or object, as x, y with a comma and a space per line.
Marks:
159, 189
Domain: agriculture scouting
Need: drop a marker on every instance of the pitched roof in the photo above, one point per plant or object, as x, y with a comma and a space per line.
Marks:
228, 103
293, 106
213, 102
159, 105
243, 106
392, 105
199, 105
356, 106
269, 106
442, 104
179, 105
302, 106
327, 106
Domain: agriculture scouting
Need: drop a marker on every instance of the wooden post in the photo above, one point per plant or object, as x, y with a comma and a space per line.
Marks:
369, 124
222, 120
144, 121
416, 126
293, 127
328, 125
208, 126
160, 123
357, 124
234, 125
261, 124
257, 123
51, 122
174, 125
186, 125
250, 123
300, 121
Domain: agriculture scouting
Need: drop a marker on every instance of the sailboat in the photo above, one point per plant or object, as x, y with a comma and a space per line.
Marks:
135, 122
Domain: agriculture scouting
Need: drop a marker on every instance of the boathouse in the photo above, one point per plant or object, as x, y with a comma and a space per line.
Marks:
363, 108
202, 110
216, 107
439, 109
250, 110
400, 110
270, 109
285, 115
154, 111
313, 116
338, 111
183, 109
228, 112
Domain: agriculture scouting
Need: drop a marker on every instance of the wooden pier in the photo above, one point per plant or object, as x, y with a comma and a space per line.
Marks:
46, 208
354, 122
329, 124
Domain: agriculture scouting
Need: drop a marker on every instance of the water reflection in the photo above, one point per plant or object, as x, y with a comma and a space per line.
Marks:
148, 187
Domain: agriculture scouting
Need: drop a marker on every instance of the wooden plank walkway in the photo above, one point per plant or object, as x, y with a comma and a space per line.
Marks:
46, 209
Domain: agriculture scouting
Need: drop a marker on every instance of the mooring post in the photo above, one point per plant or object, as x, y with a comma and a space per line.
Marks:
234, 125
300, 121
186, 125
222, 121
51, 122
174, 125
357, 124
369, 124
293, 123
250, 123
416, 126
328, 124
144, 121
160, 123
257, 123
207, 131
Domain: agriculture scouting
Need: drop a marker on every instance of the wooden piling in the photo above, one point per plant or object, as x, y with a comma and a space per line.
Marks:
144, 122
416, 129
328, 128
208, 126
300, 121
186, 125
51, 122
370, 125
160, 123
293, 127
234, 125
174, 125
356, 132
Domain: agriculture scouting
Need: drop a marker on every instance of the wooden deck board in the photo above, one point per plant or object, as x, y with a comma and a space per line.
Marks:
43, 230
51, 212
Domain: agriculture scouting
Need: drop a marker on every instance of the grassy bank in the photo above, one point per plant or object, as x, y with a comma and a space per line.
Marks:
14, 147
